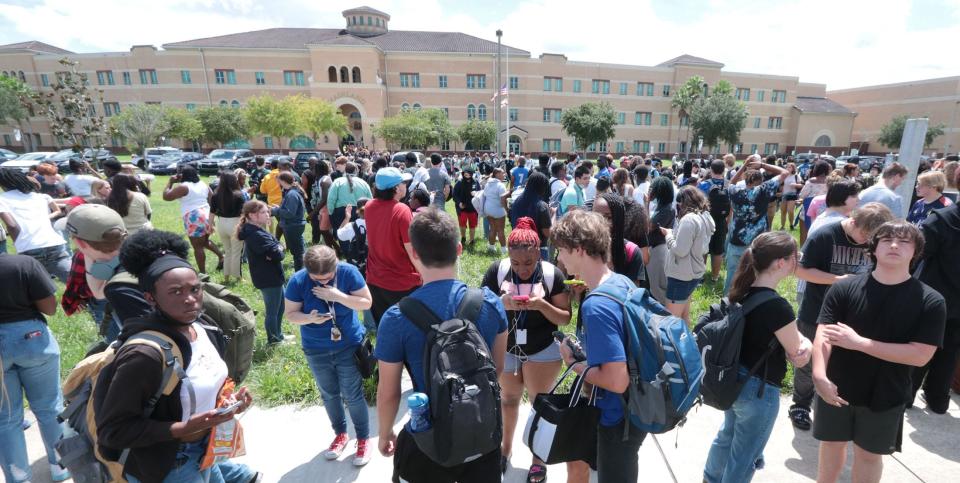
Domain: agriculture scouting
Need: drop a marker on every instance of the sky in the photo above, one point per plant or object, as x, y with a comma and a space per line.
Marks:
841, 43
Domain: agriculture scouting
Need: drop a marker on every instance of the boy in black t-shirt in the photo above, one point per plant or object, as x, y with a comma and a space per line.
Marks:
868, 341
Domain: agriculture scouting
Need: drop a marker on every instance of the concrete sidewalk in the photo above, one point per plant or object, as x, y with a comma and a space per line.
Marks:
285, 443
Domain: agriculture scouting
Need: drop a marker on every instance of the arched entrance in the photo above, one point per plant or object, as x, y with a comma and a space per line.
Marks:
515, 144
354, 134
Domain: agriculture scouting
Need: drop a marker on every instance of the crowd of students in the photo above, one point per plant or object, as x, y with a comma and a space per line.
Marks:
860, 353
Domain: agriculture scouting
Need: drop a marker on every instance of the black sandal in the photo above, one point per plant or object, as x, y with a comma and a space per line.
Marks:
537, 473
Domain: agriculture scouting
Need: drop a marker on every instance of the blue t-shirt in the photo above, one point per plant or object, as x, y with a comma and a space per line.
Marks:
317, 336
398, 340
603, 338
750, 210
603, 173
705, 185
520, 175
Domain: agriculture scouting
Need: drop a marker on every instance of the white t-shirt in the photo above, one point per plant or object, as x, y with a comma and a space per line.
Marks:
788, 183
347, 233
640, 193
32, 212
79, 184
591, 192
421, 176
196, 197
557, 186
207, 373
493, 192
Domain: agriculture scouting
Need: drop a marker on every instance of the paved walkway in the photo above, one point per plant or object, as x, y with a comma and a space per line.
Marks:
285, 443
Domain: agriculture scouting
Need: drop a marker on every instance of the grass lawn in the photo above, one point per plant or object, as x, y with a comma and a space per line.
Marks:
280, 374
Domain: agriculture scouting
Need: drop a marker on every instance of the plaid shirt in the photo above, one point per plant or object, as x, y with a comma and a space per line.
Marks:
77, 293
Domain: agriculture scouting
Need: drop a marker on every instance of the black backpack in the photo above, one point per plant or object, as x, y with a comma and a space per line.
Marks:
461, 383
719, 335
356, 255
719, 200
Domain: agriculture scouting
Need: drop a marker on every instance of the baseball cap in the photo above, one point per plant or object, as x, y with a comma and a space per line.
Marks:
89, 222
388, 178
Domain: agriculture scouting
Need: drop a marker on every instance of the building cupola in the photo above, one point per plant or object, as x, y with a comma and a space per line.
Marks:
366, 21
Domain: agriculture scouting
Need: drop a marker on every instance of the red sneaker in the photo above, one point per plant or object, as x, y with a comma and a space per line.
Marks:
362, 456
337, 446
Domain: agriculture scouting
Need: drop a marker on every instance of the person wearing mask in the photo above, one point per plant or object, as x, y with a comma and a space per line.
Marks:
195, 211
324, 299
290, 216
687, 249
737, 451
884, 190
27, 215
663, 215
81, 176
126, 199
533, 203
463, 202
495, 196
31, 366
257, 174
227, 203
535, 308
930, 186
265, 256
168, 444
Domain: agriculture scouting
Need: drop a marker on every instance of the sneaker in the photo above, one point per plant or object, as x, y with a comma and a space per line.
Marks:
337, 446
58, 473
362, 456
800, 417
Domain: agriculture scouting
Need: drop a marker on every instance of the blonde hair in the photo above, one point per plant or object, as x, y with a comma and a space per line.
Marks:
869, 217
933, 179
98, 184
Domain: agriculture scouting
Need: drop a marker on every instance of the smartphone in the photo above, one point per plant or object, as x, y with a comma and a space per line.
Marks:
578, 353
574, 281
229, 408
521, 298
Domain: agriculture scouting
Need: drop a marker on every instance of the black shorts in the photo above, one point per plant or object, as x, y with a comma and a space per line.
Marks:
411, 465
879, 432
718, 241
383, 299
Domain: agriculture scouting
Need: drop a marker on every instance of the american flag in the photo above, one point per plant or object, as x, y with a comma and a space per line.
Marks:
503, 92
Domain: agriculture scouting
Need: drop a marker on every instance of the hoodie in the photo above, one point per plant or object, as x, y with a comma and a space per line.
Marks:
940, 266
264, 253
687, 245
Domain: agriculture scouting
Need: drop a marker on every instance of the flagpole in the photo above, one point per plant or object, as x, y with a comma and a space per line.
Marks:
506, 103
499, 98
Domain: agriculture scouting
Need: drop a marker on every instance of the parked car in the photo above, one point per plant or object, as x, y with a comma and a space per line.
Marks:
6, 154
28, 160
302, 161
270, 158
151, 154
224, 159
62, 158
402, 157
170, 162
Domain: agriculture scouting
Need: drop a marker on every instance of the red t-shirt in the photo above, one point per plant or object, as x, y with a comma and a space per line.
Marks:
388, 228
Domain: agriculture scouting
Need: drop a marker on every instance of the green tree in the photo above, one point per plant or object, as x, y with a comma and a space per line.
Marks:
892, 132
719, 118
318, 117
141, 125
266, 115
477, 133
70, 109
685, 98
222, 124
16, 107
589, 123
182, 124
414, 128
722, 88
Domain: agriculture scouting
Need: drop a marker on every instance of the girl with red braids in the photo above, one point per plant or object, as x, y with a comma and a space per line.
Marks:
537, 303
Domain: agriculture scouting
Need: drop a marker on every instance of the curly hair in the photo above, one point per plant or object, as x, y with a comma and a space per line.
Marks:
142, 248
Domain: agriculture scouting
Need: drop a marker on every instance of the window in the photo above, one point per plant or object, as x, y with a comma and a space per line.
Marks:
623, 92
416, 107
770, 148
620, 146
643, 118
148, 76
268, 142
552, 115
105, 77
355, 73
344, 75
823, 141
191, 106
743, 94
235, 104
682, 146
46, 80
621, 118
126, 79
514, 82
185, 77
753, 149
404, 107
553, 84
779, 96
551, 145
6, 140
664, 119
295, 77
471, 111
442, 80
756, 123
482, 112
645, 89
738, 148
576, 86
332, 74
410, 80
661, 147
446, 112
259, 78
476, 81
600, 86
369, 21
111, 108
641, 146
775, 123
223, 103
666, 90
684, 121
760, 96
225, 76
514, 114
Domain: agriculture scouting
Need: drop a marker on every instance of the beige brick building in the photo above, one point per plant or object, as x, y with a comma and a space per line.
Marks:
371, 71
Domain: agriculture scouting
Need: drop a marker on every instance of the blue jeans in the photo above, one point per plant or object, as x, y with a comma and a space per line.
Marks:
31, 367
737, 452
339, 379
733, 255
294, 237
3, 246
186, 469
55, 259
273, 316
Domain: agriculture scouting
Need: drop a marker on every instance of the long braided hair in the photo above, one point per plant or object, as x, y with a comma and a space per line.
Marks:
618, 249
14, 180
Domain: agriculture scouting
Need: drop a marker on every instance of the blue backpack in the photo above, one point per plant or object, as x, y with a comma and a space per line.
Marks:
663, 361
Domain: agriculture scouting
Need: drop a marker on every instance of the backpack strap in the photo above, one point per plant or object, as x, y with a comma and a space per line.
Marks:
470, 305
748, 305
418, 313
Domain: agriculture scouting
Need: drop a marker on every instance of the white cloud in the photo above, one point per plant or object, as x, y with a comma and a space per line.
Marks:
841, 43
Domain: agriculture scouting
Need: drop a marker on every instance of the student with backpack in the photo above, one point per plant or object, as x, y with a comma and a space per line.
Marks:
715, 188
537, 303
265, 257
167, 443
478, 346
769, 338
354, 232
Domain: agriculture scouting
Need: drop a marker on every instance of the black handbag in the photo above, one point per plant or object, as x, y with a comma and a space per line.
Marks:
366, 362
563, 427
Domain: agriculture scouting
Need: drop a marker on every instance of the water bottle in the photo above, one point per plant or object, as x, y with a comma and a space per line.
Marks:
419, 405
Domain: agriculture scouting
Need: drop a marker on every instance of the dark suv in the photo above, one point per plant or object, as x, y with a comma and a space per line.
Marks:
224, 159
62, 158
302, 162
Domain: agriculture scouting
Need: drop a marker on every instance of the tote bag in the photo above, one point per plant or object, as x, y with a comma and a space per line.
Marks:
563, 427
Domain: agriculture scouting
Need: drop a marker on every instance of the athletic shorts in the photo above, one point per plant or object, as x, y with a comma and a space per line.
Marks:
718, 241
790, 196
197, 223
512, 362
679, 291
879, 432
468, 218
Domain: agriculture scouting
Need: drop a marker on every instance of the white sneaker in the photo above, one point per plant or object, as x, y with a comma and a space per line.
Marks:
58, 473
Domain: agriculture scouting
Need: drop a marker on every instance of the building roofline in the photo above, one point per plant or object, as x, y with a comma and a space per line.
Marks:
955, 78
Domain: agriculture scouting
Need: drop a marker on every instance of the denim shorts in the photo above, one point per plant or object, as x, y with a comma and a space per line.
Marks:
512, 362
679, 291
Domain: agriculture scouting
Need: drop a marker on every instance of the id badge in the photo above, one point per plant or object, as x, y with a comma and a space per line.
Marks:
521, 336
335, 334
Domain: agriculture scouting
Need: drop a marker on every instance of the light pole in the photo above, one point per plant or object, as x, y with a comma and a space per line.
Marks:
497, 87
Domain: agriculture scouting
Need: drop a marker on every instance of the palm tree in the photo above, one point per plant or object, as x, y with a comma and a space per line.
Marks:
687, 95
